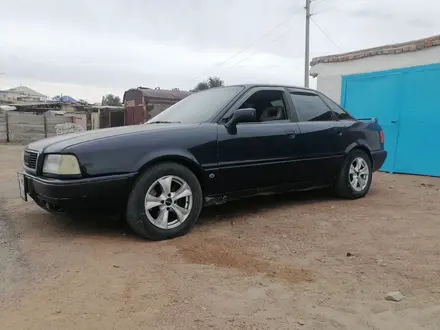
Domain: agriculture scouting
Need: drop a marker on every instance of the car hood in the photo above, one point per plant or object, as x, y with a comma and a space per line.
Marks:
60, 142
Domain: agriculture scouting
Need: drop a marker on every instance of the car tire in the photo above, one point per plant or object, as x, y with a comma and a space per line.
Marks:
147, 219
346, 184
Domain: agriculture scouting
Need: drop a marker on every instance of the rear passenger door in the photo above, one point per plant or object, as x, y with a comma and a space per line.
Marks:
321, 139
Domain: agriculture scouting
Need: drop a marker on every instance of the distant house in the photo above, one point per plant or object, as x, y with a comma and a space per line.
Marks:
22, 93
142, 104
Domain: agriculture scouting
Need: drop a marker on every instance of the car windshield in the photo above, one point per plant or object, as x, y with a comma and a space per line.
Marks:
198, 107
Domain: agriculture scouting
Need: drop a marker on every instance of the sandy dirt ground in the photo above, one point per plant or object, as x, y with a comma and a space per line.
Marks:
298, 261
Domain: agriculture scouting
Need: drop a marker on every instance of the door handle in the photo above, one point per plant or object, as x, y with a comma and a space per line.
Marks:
291, 133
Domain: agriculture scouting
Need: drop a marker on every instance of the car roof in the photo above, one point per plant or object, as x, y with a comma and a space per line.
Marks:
273, 85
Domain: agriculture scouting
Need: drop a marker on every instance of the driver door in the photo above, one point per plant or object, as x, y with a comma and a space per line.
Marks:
259, 154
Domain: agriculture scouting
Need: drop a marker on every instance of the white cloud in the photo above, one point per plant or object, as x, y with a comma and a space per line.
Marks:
88, 48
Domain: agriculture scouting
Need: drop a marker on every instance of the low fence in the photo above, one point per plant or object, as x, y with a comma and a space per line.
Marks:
25, 127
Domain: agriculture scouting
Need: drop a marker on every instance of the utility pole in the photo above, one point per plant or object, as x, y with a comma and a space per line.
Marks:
307, 46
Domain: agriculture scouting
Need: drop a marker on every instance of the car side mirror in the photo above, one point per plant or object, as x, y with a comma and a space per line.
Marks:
242, 116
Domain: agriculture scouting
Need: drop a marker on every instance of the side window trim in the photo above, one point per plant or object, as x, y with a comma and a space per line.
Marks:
251, 92
291, 106
325, 99
272, 122
292, 91
334, 117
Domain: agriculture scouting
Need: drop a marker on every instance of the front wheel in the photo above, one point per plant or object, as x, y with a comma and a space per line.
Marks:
165, 202
354, 179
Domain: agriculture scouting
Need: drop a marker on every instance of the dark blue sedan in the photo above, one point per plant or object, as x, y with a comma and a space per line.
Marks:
211, 147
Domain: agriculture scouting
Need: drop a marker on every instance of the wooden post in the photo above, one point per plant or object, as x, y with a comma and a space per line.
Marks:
109, 118
7, 126
45, 126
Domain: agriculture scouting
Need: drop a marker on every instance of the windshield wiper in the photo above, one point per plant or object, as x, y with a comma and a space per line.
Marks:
164, 122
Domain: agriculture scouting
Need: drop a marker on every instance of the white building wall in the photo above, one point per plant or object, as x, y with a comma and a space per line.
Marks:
329, 80
330, 86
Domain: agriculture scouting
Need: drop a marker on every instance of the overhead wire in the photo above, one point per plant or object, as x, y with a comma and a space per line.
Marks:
262, 37
252, 43
325, 34
255, 53
281, 36
317, 1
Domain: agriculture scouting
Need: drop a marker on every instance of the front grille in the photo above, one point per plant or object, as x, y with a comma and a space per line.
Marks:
30, 159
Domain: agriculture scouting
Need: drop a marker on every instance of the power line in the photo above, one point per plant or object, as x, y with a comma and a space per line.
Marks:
253, 43
317, 1
324, 33
257, 52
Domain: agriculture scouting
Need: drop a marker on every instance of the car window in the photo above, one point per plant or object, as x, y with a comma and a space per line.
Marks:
277, 103
340, 113
310, 107
269, 105
198, 107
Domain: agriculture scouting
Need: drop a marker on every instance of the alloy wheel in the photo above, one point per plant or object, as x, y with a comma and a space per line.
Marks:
168, 202
359, 174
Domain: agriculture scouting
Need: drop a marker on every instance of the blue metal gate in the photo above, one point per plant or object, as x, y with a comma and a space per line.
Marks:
406, 103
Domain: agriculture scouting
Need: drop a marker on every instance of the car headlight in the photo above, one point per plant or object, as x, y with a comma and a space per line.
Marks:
61, 165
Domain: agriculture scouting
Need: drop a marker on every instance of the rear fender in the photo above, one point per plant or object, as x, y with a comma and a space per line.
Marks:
359, 144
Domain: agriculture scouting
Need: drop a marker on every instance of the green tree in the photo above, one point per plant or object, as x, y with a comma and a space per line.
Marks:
111, 100
201, 86
211, 82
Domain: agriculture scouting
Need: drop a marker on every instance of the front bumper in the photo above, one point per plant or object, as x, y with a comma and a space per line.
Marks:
79, 192
379, 158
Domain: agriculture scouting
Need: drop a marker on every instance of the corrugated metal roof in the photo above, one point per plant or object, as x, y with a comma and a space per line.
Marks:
7, 108
163, 93
104, 107
34, 104
410, 46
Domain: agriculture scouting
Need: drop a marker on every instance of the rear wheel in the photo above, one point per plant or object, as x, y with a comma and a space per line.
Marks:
354, 179
165, 202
